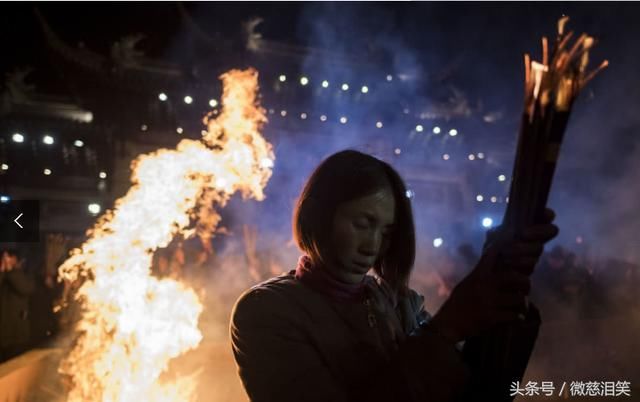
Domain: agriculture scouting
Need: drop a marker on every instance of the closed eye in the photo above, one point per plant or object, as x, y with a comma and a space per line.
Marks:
360, 224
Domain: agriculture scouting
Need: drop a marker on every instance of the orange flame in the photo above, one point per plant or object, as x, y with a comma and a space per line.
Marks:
562, 74
133, 324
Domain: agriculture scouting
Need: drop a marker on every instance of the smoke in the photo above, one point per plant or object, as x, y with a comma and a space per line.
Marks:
600, 173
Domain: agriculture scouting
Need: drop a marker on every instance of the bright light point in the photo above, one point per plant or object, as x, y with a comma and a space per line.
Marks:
188, 100
303, 116
47, 172
445, 157
419, 128
162, 96
220, 183
103, 175
437, 242
479, 198
47, 139
283, 113
345, 87
4, 198
453, 132
410, 194
304, 81
144, 127
506, 200
405, 111
436, 130
5, 166
494, 199
487, 222
94, 208
266, 163
397, 151
480, 155
379, 124
282, 78
325, 84
323, 118
343, 120
364, 89
78, 143
213, 103
17, 137
179, 130
579, 240
389, 77
471, 157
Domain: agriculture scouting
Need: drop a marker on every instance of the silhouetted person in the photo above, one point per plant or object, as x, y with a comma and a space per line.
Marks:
15, 288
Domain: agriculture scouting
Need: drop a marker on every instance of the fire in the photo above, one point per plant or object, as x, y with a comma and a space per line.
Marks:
562, 73
132, 324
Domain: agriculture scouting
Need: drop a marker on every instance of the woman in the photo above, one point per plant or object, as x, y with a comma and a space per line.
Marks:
329, 331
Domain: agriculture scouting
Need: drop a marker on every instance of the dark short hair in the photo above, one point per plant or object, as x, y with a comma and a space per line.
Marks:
342, 177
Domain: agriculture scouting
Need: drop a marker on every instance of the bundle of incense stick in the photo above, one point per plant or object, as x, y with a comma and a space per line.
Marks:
550, 90
499, 358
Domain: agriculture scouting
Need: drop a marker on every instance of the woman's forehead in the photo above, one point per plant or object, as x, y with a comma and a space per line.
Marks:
379, 205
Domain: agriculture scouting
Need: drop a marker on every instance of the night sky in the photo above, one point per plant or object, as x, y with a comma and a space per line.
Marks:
476, 43
485, 33
472, 45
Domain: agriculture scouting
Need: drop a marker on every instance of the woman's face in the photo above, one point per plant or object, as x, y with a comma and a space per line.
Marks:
360, 234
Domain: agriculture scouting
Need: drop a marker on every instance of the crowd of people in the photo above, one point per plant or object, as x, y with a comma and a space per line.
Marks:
185, 260
565, 282
587, 287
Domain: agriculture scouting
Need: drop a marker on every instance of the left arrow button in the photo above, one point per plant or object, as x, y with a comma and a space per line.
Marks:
16, 221
19, 223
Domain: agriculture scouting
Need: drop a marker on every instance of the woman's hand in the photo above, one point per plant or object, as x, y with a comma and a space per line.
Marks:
496, 290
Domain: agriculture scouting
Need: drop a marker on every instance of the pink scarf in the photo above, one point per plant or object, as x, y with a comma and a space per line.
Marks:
319, 279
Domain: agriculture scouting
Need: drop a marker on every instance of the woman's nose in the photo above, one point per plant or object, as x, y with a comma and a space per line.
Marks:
371, 244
